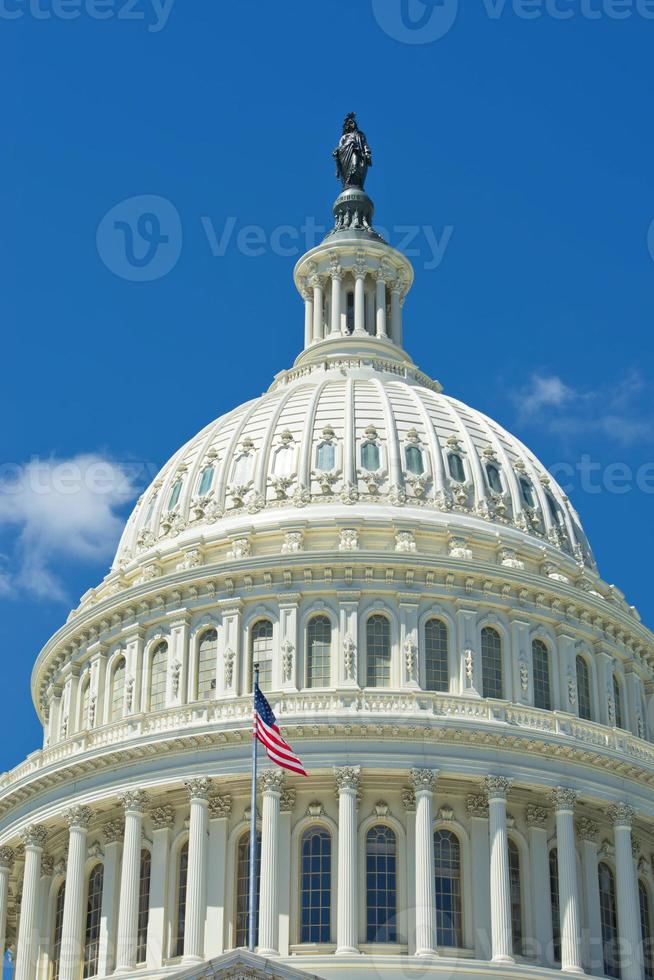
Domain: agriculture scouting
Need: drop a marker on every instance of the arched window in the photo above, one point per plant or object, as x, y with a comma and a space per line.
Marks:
553, 507
174, 494
381, 885
414, 461
319, 652
326, 456
541, 665
447, 866
456, 467
207, 652
182, 879
150, 511
617, 703
583, 689
261, 651
370, 456
608, 915
491, 663
205, 481
118, 690
316, 885
144, 906
555, 904
646, 929
84, 703
527, 492
243, 467
57, 932
378, 652
158, 677
243, 888
437, 674
349, 311
516, 897
494, 478
93, 915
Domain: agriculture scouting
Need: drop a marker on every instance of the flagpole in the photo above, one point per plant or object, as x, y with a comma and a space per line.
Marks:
252, 910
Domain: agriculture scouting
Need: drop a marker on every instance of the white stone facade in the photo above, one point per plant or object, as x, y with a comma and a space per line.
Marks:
472, 702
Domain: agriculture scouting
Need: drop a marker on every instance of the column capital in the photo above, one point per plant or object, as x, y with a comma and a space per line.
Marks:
163, 817
272, 781
135, 800
497, 787
113, 831
564, 799
423, 780
587, 829
220, 806
198, 788
537, 815
347, 777
77, 817
477, 806
7, 855
621, 815
34, 836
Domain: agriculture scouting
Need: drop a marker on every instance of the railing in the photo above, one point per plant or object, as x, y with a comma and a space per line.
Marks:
344, 706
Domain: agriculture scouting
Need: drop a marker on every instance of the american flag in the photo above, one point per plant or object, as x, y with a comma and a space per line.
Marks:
266, 730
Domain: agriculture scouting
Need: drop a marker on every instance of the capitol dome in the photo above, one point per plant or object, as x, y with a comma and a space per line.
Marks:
472, 702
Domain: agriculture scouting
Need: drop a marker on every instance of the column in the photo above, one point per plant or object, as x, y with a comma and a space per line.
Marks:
134, 803
396, 312
220, 808
6, 864
286, 804
629, 931
272, 781
423, 782
497, 788
163, 818
347, 926
196, 887
571, 951
318, 326
33, 837
78, 819
308, 317
45, 930
540, 889
359, 298
336, 274
408, 927
112, 833
587, 832
380, 318
477, 807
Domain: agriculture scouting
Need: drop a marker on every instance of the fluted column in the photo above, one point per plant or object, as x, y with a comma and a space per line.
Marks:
587, 833
33, 837
220, 808
347, 927
134, 803
629, 930
477, 807
43, 937
380, 303
196, 887
497, 788
318, 313
360, 297
6, 864
112, 832
78, 819
396, 312
540, 876
336, 276
308, 317
571, 948
272, 781
423, 782
163, 819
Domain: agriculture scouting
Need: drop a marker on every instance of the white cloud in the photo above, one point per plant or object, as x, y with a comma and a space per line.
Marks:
59, 510
545, 391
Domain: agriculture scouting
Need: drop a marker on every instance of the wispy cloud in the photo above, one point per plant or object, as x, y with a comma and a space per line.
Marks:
618, 411
58, 510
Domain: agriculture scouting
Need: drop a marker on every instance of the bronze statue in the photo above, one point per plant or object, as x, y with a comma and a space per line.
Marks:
352, 155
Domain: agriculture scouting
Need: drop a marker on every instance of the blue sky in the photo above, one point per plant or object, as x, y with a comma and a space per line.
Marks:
514, 140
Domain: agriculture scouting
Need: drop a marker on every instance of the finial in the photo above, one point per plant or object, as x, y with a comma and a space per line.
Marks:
352, 155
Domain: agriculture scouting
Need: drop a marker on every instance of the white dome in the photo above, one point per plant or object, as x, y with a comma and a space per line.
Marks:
302, 445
